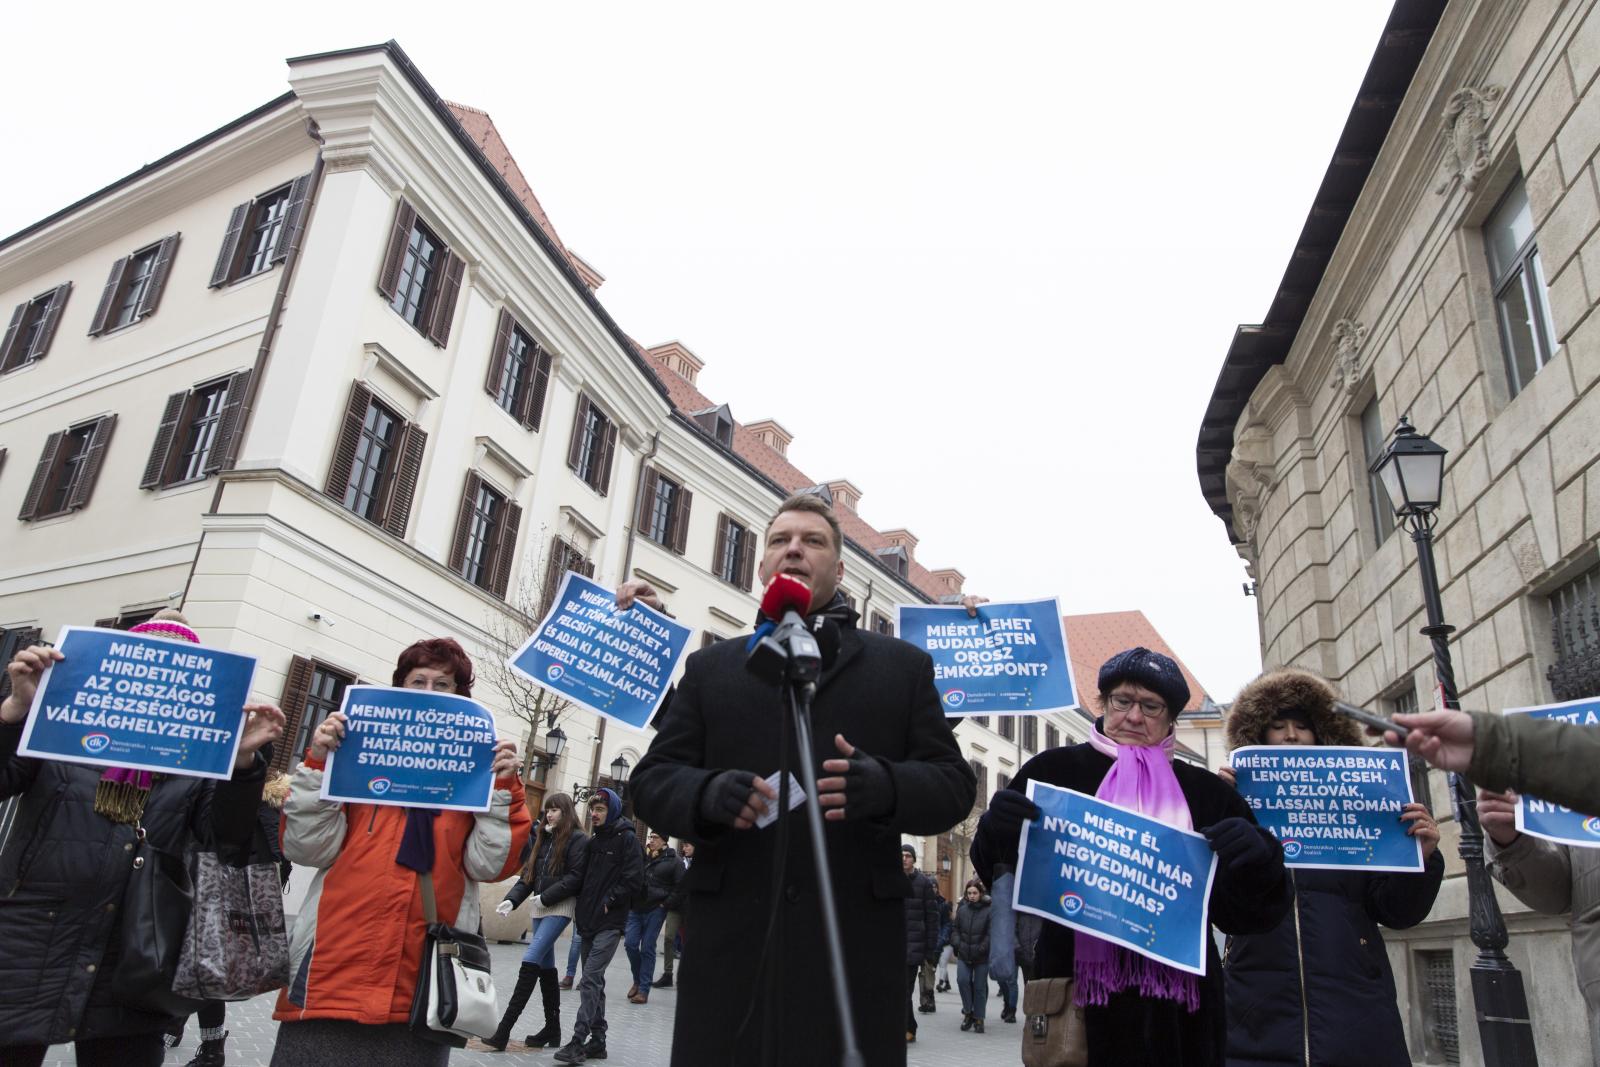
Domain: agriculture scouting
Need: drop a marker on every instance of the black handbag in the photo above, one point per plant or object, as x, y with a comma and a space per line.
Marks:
454, 998
155, 919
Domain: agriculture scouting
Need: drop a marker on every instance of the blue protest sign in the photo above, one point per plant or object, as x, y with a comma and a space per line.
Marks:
1118, 875
1331, 806
1552, 821
412, 748
615, 663
145, 703
1010, 660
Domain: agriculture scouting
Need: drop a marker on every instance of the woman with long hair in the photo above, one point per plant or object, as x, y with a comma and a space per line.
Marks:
553, 874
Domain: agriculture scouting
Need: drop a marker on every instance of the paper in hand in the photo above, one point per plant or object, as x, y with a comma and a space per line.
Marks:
797, 797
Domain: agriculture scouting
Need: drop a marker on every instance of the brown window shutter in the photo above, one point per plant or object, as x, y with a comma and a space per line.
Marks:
505, 549
294, 214
344, 450
720, 546
747, 559
94, 457
405, 220
108, 295
497, 354
12, 331
155, 468
458, 544
225, 449
575, 446
444, 299
158, 276
2, 459
106, 624
404, 483
52, 319
222, 272
584, 566
296, 687
680, 519
41, 475
554, 567
533, 413
647, 498
608, 447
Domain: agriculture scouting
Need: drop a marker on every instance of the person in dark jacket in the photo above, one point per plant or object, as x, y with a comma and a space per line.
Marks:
673, 927
757, 986
613, 872
970, 936
663, 872
946, 951
66, 865
1137, 1012
922, 929
551, 874
1320, 981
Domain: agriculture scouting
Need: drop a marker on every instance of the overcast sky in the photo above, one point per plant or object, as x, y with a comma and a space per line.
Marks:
983, 260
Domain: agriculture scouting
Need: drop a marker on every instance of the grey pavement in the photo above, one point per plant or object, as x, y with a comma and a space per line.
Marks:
639, 1035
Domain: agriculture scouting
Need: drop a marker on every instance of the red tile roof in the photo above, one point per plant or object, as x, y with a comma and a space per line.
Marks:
480, 127
1093, 639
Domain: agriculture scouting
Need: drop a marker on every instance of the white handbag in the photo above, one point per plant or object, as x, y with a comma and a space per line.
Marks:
454, 999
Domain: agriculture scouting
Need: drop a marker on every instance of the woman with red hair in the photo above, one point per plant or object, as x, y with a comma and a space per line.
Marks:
357, 944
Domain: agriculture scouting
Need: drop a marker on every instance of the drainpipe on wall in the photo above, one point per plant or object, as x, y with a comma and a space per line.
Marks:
269, 333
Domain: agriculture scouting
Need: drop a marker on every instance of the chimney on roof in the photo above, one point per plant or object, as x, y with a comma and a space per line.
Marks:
951, 579
845, 495
678, 359
772, 435
904, 539
591, 277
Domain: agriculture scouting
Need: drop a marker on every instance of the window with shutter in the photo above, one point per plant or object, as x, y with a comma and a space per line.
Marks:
33, 326
259, 233
377, 461
982, 800
563, 557
1030, 733
403, 486
533, 412
196, 432
505, 549
734, 557
133, 290
479, 531
68, 469
13, 641
443, 299
311, 691
594, 438
421, 276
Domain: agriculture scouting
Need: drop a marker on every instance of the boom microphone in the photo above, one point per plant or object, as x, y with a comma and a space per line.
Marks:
785, 593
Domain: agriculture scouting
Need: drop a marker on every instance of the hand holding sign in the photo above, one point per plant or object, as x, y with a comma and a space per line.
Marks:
329, 733
1497, 812
25, 669
505, 758
263, 724
1422, 827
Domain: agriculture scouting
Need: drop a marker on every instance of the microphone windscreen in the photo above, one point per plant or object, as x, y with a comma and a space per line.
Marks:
785, 593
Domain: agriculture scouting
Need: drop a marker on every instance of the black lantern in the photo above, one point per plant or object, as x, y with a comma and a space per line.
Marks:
1412, 471
554, 741
619, 770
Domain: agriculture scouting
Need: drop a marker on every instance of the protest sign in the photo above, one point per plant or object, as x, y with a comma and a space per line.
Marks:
144, 703
1118, 875
615, 663
412, 748
1552, 821
1331, 806
1010, 660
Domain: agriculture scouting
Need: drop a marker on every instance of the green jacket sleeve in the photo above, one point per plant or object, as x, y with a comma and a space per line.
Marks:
1553, 761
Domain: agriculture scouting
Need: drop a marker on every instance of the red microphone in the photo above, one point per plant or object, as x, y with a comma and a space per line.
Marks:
785, 593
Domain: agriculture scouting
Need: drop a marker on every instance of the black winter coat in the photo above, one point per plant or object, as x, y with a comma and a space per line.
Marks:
970, 932
922, 920
62, 877
661, 878
1331, 938
879, 694
553, 888
613, 872
1134, 1031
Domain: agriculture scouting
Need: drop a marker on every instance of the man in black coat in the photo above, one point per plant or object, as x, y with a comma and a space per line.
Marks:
757, 988
922, 933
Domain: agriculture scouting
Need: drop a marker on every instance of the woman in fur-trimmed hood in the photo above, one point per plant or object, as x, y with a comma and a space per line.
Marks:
1318, 988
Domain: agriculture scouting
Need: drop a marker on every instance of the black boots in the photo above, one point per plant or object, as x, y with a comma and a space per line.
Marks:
211, 1053
550, 1036
527, 978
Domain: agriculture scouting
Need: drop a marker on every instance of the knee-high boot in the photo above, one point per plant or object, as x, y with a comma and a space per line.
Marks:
550, 988
527, 978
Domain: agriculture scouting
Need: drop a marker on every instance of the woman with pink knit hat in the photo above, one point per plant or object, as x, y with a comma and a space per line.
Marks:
66, 864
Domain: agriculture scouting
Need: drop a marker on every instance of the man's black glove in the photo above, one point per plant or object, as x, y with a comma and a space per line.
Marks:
1007, 810
868, 788
1240, 844
725, 796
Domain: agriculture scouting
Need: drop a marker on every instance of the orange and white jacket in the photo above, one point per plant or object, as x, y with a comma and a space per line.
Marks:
357, 942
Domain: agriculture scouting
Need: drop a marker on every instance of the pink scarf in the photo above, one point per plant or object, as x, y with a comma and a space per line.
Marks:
1141, 779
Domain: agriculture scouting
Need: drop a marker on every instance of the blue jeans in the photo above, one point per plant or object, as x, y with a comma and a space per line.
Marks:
973, 981
639, 939
572, 953
542, 945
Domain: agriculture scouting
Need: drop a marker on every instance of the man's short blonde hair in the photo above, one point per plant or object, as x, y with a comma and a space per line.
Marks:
814, 504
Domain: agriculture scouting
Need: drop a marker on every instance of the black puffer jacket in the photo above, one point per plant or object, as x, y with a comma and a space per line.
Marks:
969, 934
661, 878
553, 886
62, 877
613, 872
922, 919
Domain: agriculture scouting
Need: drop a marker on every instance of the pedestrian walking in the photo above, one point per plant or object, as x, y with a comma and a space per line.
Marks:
947, 950
970, 935
663, 873
673, 927
922, 932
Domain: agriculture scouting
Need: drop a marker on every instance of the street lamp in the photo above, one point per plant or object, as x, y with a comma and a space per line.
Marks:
619, 770
554, 741
1412, 472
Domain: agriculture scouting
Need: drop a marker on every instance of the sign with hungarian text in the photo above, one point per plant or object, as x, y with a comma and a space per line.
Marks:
1552, 821
1009, 660
412, 748
1118, 875
141, 702
1331, 806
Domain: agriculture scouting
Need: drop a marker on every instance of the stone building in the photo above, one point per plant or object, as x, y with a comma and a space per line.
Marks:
1443, 274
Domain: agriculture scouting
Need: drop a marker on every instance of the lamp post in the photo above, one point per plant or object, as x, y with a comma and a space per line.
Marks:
555, 739
1412, 472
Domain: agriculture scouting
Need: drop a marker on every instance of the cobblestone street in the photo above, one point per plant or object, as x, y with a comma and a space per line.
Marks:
639, 1035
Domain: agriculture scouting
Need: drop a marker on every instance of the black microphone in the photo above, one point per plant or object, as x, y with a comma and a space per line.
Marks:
790, 651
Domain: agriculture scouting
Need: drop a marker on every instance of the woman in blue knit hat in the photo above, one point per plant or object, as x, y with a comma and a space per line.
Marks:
1138, 1011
